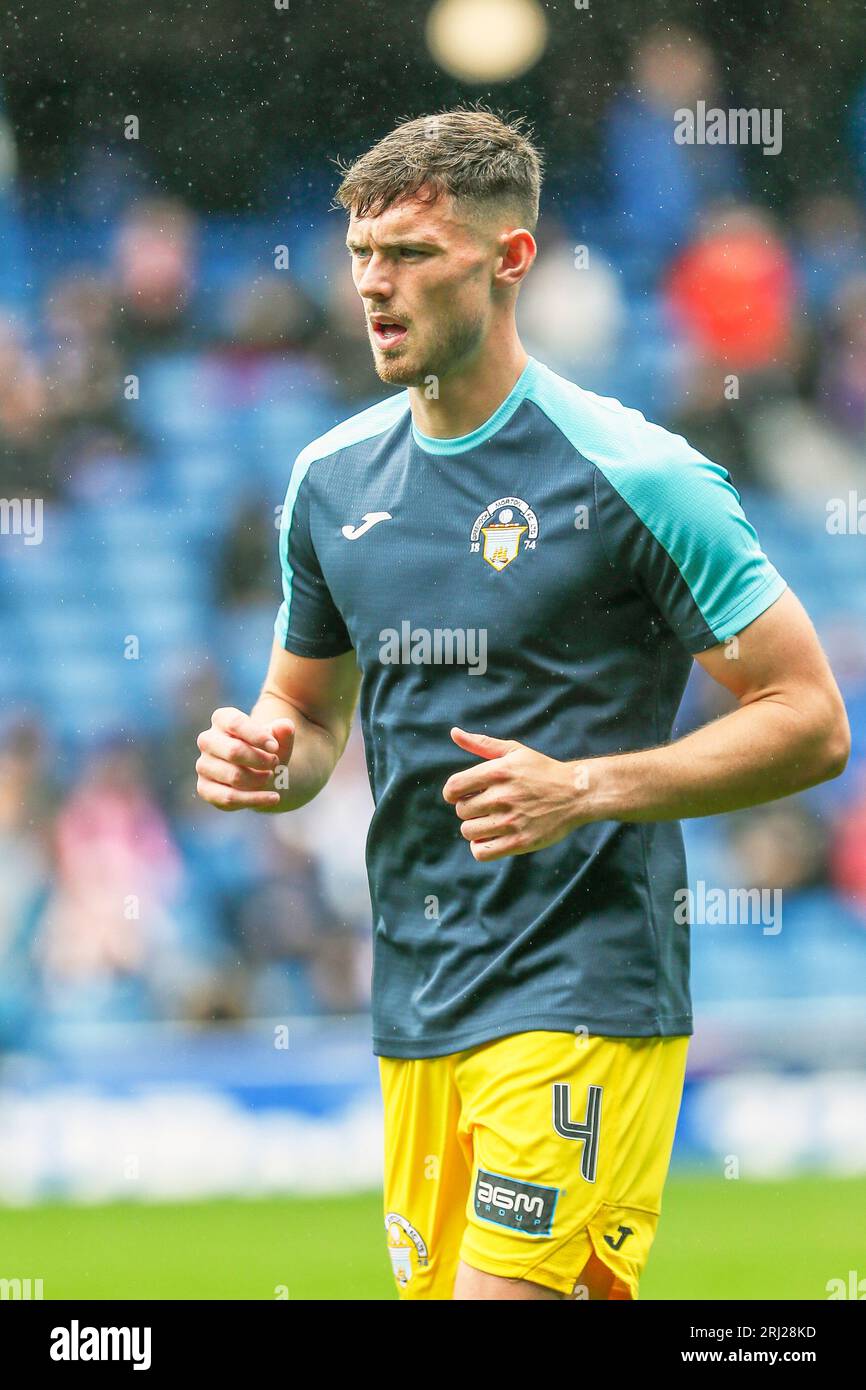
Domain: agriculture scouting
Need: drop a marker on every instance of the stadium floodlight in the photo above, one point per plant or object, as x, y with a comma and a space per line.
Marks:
486, 40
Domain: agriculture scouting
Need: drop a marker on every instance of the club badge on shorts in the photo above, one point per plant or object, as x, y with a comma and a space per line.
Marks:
402, 1240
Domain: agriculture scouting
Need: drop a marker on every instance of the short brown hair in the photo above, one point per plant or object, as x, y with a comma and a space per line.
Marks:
470, 154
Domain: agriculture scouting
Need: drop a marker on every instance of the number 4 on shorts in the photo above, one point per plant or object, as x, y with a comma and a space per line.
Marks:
587, 1129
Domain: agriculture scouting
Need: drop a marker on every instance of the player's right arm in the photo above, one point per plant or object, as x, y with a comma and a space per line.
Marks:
280, 756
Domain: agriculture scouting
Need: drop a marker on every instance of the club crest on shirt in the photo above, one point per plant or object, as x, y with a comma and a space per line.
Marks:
502, 524
402, 1239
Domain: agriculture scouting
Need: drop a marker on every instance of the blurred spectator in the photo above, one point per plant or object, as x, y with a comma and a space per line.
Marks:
15, 266
263, 315
117, 877
849, 855
733, 291
857, 131
193, 700
782, 846
797, 451
298, 957
246, 573
831, 245
658, 187
25, 800
842, 377
344, 344
281, 918
97, 446
732, 295
335, 825
83, 367
155, 272
26, 462
571, 308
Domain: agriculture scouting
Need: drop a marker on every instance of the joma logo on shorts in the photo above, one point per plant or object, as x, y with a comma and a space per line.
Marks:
521, 1206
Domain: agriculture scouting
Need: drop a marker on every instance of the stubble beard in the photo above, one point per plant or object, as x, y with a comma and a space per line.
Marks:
461, 341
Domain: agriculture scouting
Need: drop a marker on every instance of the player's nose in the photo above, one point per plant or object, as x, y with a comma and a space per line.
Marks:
374, 281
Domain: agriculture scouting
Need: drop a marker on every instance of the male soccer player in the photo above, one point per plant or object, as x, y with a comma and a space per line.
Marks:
517, 574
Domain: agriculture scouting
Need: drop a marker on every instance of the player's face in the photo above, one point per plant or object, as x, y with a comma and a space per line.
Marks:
424, 274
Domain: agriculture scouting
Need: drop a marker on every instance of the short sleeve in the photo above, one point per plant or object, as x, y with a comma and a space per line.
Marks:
673, 519
308, 621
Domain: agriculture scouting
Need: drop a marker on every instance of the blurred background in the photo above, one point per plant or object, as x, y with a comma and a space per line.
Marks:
183, 994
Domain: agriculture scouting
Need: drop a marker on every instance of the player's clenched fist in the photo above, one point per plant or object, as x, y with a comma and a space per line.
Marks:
243, 764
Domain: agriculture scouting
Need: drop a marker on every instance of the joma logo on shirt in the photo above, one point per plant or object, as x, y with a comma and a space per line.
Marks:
521, 1206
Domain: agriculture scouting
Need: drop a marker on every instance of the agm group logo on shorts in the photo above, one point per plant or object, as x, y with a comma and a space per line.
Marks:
521, 1206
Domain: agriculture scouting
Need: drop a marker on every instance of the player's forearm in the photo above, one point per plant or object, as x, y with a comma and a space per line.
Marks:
314, 756
762, 751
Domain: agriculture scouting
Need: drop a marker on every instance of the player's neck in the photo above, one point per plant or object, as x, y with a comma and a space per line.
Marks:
466, 399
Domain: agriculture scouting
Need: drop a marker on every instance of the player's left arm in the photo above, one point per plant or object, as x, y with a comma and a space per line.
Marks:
788, 732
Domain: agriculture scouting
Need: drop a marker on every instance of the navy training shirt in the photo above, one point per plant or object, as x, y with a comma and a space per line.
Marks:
546, 578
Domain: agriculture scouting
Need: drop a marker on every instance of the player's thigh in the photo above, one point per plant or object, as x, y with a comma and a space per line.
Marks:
595, 1282
427, 1167
477, 1286
571, 1141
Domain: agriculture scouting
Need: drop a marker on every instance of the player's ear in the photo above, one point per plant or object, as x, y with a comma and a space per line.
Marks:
517, 252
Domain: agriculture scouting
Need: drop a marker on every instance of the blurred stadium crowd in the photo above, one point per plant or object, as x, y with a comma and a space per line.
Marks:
158, 375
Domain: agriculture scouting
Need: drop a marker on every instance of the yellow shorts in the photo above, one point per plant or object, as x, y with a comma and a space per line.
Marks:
526, 1155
